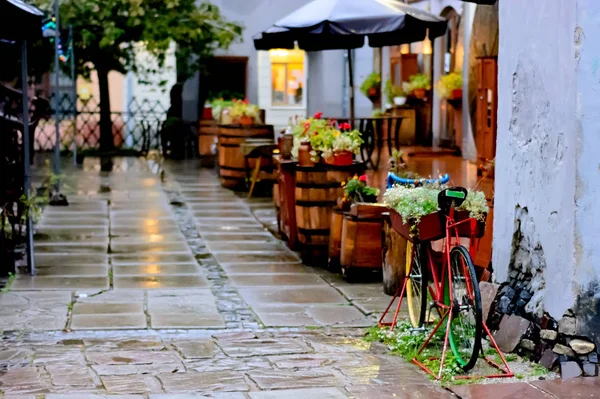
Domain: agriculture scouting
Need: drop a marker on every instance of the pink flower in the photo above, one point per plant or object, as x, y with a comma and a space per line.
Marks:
318, 115
363, 178
245, 101
345, 126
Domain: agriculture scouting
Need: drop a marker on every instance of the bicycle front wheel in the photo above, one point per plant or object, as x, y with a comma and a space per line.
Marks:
467, 325
416, 287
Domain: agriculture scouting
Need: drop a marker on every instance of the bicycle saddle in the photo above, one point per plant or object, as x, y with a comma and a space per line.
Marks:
451, 197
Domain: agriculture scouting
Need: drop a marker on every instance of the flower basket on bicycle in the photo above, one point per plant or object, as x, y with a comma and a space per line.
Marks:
432, 227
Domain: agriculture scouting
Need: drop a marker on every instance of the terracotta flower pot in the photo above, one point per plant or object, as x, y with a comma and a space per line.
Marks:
304, 158
341, 158
457, 94
419, 93
246, 120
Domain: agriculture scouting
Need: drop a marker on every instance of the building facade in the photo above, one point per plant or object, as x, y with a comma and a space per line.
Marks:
284, 83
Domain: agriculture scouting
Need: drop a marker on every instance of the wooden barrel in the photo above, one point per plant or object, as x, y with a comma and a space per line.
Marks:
335, 238
232, 163
207, 138
393, 256
317, 190
361, 237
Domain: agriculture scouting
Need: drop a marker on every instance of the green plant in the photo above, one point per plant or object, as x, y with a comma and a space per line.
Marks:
11, 279
398, 166
324, 138
356, 190
378, 113
404, 341
419, 81
538, 370
392, 91
448, 83
371, 82
241, 108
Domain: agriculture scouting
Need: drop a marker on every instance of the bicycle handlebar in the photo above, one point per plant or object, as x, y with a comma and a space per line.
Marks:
392, 179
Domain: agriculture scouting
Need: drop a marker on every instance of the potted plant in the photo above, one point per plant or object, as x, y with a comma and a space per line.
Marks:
337, 147
419, 84
395, 94
371, 87
302, 132
357, 190
242, 112
450, 86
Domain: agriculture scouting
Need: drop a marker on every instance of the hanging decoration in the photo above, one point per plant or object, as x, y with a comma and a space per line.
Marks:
48, 30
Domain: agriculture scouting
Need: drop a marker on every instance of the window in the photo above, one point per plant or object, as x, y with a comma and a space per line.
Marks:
287, 77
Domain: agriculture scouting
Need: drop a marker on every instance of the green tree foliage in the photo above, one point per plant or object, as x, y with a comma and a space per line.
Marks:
106, 33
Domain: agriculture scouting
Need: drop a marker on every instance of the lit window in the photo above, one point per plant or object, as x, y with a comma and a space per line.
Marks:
287, 77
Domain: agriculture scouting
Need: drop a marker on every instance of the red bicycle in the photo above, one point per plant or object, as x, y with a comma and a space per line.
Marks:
446, 281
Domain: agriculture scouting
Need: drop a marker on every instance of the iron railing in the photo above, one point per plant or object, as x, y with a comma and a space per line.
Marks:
138, 128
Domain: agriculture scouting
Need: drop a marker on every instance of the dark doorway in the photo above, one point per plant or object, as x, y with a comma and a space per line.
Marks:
225, 77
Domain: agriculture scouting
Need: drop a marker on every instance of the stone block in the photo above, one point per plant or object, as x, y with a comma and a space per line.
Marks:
567, 325
593, 357
527, 344
549, 359
570, 370
563, 350
590, 369
581, 346
549, 335
512, 329
488, 294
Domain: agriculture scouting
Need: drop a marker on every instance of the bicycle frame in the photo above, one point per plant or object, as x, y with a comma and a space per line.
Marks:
437, 293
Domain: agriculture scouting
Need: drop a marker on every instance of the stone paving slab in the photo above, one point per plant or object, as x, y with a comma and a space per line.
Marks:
269, 280
297, 379
109, 321
140, 259
263, 347
291, 295
321, 393
160, 282
220, 381
157, 269
266, 268
229, 237
246, 247
72, 271
257, 257
70, 259
26, 283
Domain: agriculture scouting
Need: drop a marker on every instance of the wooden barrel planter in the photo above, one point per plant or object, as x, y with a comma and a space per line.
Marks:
335, 238
317, 190
207, 138
361, 239
393, 256
232, 163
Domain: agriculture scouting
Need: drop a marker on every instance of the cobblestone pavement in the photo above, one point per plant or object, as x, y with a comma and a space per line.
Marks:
175, 290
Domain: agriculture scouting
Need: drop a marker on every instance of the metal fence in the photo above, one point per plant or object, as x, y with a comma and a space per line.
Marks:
137, 128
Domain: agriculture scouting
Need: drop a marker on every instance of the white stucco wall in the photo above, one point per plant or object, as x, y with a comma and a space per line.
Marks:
587, 195
547, 146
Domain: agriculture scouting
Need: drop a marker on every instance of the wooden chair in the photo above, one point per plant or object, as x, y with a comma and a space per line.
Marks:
263, 166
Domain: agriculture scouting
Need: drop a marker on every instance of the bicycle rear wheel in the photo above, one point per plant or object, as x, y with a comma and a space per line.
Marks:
467, 325
416, 288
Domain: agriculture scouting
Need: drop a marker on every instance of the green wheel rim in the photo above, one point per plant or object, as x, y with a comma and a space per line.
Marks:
451, 339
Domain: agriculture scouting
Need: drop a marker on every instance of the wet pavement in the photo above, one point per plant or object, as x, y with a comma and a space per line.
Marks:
177, 289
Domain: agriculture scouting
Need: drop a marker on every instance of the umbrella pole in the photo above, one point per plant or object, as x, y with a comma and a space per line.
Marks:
26, 156
351, 78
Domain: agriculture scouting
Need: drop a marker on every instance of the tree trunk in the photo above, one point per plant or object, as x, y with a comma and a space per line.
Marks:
106, 134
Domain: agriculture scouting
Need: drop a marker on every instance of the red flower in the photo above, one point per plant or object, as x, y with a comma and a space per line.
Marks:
245, 101
306, 125
345, 126
316, 132
318, 115
363, 178
234, 99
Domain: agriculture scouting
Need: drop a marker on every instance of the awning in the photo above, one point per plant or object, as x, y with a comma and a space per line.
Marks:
344, 24
19, 20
